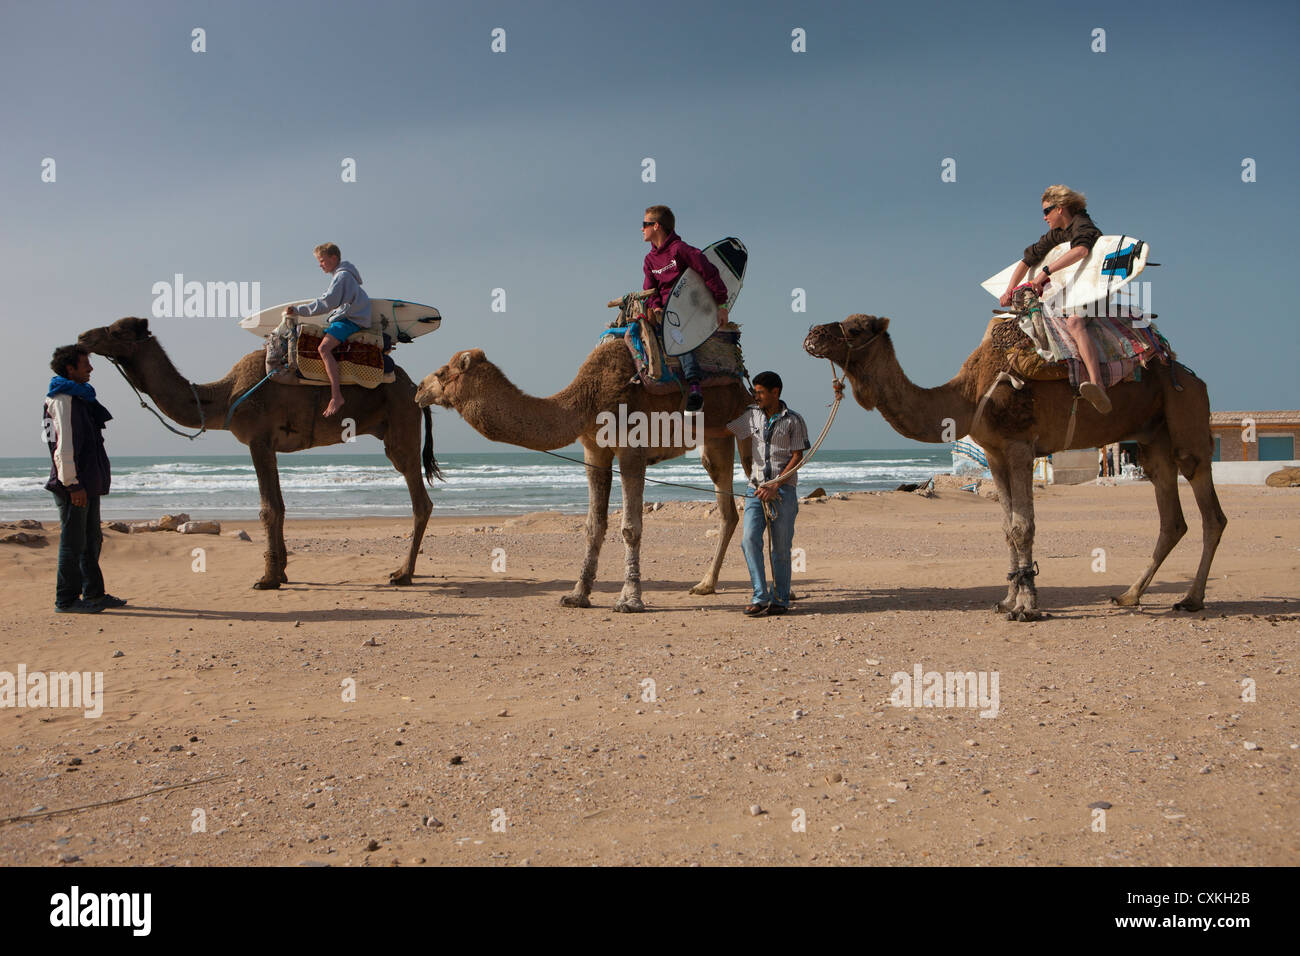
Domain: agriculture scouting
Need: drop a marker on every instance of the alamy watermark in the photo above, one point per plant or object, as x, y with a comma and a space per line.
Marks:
56, 689
951, 689
638, 429
205, 300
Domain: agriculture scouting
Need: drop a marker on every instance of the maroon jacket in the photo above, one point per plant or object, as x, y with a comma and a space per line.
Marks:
664, 266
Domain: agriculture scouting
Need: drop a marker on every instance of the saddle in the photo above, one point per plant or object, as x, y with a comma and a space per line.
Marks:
719, 358
293, 356
1010, 336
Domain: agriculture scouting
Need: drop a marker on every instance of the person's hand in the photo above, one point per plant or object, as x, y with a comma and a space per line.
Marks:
78, 498
288, 311
722, 316
1039, 284
766, 492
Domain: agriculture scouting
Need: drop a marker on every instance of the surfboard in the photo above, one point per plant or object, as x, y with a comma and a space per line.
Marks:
402, 320
1113, 263
691, 315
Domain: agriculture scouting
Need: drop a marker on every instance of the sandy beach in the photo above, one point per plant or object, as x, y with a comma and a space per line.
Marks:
490, 726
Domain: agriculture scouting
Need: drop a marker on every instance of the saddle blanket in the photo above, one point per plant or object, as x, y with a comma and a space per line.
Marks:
293, 357
719, 358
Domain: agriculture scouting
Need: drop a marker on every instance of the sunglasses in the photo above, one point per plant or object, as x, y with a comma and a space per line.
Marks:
1050, 208
647, 225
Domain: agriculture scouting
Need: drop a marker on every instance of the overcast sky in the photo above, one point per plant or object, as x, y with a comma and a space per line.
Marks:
522, 170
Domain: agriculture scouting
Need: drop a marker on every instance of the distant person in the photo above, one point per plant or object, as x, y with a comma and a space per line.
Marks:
349, 309
668, 259
79, 476
1067, 217
780, 439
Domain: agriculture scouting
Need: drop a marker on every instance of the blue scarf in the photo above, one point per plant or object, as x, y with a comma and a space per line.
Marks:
83, 390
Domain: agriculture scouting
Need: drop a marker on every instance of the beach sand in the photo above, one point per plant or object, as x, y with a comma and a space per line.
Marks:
519, 726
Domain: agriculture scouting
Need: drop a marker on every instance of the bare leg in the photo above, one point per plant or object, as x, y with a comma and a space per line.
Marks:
1158, 463
272, 515
631, 468
600, 478
718, 456
327, 347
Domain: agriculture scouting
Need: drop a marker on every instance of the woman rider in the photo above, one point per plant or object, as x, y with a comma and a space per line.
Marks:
1066, 212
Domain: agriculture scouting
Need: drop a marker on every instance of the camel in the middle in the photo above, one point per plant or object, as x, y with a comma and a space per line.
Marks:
487, 400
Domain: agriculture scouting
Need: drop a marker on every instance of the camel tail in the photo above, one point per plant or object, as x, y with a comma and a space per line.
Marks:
431, 469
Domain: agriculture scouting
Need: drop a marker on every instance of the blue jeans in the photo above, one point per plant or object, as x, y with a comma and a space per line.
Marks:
751, 542
690, 368
80, 539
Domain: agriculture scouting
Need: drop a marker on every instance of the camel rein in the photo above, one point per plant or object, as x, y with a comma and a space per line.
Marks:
203, 426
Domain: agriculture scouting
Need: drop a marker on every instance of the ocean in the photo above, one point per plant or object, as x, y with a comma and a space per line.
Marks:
321, 485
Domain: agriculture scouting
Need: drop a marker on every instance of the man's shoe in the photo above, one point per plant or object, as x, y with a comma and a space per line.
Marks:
777, 609
1096, 396
107, 600
695, 400
81, 607
754, 610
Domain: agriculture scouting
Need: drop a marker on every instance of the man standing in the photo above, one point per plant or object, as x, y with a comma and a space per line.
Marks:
349, 309
780, 440
79, 475
669, 257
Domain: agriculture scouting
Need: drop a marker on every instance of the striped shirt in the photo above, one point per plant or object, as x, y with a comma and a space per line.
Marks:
776, 439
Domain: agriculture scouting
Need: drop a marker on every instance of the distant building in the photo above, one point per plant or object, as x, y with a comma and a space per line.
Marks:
1274, 434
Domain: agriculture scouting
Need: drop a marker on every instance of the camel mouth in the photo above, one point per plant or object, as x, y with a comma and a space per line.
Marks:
430, 393
819, 343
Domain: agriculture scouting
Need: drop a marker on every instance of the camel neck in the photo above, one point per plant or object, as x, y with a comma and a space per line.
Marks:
939, 414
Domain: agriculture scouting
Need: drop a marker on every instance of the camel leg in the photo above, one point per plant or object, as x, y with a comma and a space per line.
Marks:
1020, 475
272, 515
631, 468
600, 477
1213, 521
718, 456
403, 449
1158, 463
1002, 481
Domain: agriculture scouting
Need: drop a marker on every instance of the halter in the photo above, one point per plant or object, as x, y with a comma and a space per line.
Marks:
145, 405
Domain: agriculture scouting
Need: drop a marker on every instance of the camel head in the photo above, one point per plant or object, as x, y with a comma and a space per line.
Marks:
844, 342
445, 386
119, 340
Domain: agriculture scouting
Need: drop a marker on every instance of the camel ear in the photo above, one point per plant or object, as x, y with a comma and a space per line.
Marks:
469, 357
880, 325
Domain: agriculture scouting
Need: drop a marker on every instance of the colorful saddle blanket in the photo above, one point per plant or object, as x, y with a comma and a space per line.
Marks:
720, 358
293, 357
1039, 346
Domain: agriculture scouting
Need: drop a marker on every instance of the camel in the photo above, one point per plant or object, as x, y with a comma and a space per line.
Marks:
487, 400
1167, 413
278, 418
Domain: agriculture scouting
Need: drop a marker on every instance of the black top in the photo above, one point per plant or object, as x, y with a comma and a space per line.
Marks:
1081, 231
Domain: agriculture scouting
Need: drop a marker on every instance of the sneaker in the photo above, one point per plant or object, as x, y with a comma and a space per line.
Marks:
1096, 396
754, 610
695, 400
80, 607
107, 600
777, 609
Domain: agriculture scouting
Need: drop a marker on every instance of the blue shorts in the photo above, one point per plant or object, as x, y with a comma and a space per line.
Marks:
341, 329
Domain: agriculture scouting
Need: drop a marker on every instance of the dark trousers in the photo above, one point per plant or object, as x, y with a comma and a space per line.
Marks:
80, 540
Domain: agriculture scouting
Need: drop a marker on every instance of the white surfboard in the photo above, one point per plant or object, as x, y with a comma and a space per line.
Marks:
691, 315
402, 320
1113, 263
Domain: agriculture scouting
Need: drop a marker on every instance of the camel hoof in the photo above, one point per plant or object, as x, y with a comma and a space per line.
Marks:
265, 585
574, 600
629, 606
284, 578
1186, 604
400, 579
1123, 601
703, 588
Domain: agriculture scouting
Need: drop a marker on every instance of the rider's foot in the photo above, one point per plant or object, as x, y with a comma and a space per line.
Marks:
1096, 395
332, 409
695, 399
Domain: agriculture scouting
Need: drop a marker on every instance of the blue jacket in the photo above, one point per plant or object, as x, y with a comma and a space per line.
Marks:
344, 299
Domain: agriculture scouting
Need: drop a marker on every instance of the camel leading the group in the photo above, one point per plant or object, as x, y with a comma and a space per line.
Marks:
1167, 413
487, 400
279, 418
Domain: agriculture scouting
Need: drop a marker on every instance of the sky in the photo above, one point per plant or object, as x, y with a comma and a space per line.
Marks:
524, 170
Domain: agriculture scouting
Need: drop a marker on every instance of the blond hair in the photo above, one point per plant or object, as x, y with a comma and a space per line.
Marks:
1065, 197
327, 249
